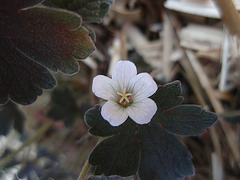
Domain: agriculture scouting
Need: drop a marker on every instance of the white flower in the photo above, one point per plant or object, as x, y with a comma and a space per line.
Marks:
126, 94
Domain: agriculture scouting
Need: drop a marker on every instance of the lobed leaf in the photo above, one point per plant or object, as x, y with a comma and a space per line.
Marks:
91, 11
186, 120
168, 96
21, 79
163, 157
118, 154
34, 40
13, 5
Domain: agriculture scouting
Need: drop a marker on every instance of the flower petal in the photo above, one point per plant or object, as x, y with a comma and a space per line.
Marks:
142, 112
104, 87
114, 113
143, 86
123, 72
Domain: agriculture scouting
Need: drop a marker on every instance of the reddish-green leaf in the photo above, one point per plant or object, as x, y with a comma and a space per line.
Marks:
92, 11
34, 40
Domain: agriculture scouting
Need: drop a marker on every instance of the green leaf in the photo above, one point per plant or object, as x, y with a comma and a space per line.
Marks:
149, 150
168, 96
118, 154
64, 106
11, 115
34, 40
162, 155
92, 33
186, 120
91, 11
13, 5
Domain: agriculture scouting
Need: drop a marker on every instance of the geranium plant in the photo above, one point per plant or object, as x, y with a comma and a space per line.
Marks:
138, 120
139, 131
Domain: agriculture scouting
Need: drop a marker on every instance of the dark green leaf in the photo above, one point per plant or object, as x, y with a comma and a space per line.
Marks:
64, 106
21, 80
92, 33
13, 5
186, 120
91, 11
168, 96
34, 40
180, 120
10, 114
119, 154
163, 157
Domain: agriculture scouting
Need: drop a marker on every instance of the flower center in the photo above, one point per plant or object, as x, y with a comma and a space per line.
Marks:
124, 97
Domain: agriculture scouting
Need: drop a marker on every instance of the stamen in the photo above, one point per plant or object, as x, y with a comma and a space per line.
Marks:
121, 100
124, 96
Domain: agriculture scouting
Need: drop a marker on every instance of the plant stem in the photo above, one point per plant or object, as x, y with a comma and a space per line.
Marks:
40, 132
86, 165
84, 171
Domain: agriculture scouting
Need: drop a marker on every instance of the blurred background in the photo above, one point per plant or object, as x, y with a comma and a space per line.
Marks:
184, 40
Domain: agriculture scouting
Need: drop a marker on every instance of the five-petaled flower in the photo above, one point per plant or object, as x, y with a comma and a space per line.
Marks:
126, 94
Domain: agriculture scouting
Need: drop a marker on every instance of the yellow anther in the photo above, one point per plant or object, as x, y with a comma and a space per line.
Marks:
124, 96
